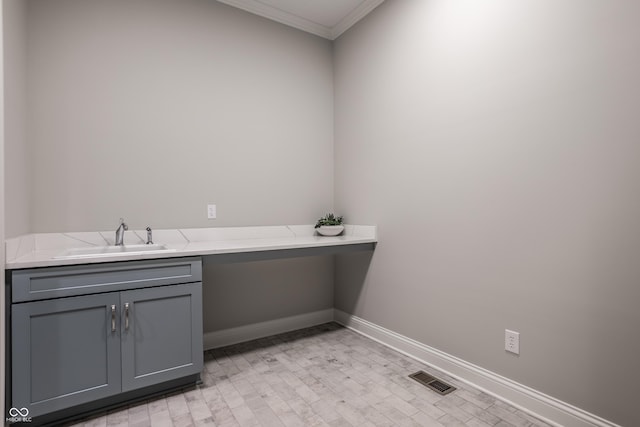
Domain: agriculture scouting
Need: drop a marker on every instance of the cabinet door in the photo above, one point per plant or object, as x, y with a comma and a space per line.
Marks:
161, 334
65, 352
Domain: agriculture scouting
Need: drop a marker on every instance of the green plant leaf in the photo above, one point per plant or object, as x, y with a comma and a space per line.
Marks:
329, 219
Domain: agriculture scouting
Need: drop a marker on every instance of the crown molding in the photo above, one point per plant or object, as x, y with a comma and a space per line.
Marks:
295, 21
356, 14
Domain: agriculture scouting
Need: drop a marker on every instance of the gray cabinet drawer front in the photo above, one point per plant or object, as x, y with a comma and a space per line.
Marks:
56, 282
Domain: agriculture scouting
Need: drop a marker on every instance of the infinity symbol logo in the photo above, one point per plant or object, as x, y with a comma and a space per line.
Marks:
14, 412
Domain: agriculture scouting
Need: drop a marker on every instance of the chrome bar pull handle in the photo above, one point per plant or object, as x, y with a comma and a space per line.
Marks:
113, 317
149, 236
126, 316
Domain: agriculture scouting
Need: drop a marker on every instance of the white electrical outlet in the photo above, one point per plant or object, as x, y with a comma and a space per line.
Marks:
211, 211
512, 341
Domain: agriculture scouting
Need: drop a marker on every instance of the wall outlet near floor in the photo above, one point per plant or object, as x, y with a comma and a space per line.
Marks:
512, 341
211, 211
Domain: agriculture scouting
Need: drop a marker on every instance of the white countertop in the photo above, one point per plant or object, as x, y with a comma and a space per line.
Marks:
39, 250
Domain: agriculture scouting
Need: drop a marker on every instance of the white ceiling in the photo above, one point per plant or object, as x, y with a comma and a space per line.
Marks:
324, 18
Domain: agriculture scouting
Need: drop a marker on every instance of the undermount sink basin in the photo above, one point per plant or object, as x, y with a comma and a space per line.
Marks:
107, 251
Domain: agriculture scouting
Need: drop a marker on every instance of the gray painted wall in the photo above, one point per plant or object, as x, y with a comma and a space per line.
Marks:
495, 145
148, 110
242, 293
17, 170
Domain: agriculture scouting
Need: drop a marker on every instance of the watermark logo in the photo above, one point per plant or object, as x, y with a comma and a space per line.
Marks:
18, 415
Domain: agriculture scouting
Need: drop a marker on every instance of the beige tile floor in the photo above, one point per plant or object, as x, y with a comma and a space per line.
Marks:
326, 375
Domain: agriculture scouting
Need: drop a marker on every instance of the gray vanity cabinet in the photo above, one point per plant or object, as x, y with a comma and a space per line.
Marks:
138, 325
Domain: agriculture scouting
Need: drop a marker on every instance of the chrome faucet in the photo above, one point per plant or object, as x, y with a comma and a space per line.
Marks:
120, 233
149, 239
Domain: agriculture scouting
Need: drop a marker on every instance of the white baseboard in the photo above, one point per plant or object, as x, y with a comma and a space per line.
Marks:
540, 405
264, 329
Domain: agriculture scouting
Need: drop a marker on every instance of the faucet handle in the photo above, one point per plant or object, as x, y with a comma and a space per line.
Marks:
124, 226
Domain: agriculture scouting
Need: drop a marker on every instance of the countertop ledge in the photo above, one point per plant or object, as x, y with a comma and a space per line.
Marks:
39, 249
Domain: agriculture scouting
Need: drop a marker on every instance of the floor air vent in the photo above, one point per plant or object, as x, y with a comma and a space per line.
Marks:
432, 382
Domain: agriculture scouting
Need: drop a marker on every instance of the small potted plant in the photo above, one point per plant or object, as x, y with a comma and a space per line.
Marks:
330, 225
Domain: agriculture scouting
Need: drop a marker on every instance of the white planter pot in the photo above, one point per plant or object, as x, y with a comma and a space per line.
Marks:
330, 230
